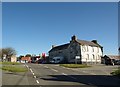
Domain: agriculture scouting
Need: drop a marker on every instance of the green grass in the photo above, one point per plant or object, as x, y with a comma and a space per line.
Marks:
9, 63
116, 73
14, 68
75, 65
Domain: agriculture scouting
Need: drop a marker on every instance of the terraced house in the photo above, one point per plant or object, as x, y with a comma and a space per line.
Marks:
78, 50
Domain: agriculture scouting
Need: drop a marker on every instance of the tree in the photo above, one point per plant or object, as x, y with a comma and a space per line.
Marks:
8, 52
20, 57
28, 55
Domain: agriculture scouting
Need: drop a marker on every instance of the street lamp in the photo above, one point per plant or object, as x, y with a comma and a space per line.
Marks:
119, 55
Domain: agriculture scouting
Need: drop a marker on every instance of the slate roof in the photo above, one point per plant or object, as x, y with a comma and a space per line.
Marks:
84, 42
113, 56
60, 47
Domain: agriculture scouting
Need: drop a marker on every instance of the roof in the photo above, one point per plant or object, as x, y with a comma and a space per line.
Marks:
113, 56
26, 58
84, 42
60, 47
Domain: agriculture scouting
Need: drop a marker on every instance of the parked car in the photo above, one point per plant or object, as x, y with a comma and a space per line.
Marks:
57, 60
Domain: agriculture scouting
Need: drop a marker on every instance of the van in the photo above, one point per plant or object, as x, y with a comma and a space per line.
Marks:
57, 59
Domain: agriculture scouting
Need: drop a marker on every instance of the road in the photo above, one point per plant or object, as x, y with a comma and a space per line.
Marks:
55, 75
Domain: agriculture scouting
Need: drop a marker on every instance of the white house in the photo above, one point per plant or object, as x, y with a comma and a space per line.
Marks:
78, 50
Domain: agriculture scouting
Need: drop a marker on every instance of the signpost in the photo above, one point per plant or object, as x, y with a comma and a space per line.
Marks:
76, 58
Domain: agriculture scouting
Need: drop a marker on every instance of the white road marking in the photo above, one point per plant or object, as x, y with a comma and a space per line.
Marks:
27, 66
34, 76
64, 73
46, 67
69, 76
33, 73
54, 70
37, 81
31, 70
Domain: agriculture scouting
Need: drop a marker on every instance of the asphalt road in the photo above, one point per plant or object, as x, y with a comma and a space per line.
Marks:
55, 75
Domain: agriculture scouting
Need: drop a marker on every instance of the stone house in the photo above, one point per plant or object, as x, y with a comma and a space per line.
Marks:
80, 50
111, 59
25, 60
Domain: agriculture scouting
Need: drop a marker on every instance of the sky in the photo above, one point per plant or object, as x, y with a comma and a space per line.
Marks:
33, 27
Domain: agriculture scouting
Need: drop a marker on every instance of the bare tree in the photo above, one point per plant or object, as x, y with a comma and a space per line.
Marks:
8, 52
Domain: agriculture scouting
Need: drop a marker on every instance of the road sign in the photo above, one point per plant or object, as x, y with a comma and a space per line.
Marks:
77, 57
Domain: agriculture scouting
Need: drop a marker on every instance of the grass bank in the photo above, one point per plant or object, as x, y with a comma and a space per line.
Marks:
12, 67
9, 63
75, 65
116, 73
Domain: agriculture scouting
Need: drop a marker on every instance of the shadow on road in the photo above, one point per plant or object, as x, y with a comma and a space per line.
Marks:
91, 80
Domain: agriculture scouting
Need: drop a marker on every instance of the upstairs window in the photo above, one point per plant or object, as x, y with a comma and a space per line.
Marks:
93, 56
92, 49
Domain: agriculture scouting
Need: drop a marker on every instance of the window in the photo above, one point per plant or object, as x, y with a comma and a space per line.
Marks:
98, 57
83, 48
92, 49
88, 56
93, 56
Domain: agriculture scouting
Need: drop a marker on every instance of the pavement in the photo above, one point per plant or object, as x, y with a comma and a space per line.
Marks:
53, 75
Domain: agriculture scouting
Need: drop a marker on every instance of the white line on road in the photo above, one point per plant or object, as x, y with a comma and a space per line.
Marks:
64, 74
69, 76
54, 70
31, 70
46, 67
37, 81
34, 76
27, 66
33, 73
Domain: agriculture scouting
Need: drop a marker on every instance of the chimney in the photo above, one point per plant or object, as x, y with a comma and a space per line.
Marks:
53, 46
74, 38
94, 41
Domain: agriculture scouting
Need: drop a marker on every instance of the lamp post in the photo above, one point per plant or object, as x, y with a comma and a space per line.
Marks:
119, 55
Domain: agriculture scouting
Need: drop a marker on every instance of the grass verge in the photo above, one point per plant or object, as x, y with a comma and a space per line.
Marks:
116, 73
75, 65
14, 68
9, 63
